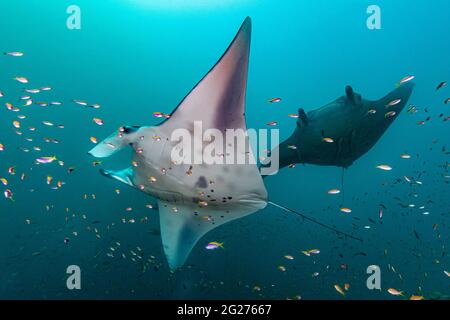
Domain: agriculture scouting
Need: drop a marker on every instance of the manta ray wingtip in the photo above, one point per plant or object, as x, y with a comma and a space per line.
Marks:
408, 86
246, 24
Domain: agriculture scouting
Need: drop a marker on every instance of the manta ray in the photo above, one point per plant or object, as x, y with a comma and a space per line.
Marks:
194, 198
342, 131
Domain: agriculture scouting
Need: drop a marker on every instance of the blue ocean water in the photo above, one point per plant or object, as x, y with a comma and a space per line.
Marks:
135, 57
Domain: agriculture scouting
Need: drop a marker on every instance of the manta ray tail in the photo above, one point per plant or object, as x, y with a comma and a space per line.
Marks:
314, 221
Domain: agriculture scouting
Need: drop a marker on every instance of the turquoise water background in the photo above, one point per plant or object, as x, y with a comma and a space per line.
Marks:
135, 57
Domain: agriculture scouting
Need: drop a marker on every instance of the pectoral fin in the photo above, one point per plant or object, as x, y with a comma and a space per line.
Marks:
179, 231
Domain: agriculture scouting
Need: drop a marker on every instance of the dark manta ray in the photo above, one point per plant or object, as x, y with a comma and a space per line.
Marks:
342, 131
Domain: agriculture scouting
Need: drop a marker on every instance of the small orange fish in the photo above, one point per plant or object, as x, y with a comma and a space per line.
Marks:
32, 90
394, 102
384, 167
405, 79
80, 102
274, 100
14, 54
202, 203
45, 160
395, 292
334, 191
390, 114
339, 289
309, 252
8, 194
98, 121
21, 79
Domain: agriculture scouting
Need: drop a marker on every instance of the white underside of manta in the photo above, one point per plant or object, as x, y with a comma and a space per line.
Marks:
195, 198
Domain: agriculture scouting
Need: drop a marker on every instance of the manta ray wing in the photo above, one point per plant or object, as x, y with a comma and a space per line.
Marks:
219, 98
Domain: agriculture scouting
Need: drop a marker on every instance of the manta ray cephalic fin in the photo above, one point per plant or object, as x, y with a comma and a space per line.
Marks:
115, 142
123, 176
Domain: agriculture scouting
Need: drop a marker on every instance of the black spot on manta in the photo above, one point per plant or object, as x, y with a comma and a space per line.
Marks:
201, 182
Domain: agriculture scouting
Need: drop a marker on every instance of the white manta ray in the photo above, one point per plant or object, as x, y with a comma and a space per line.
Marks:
196, 198
193, 199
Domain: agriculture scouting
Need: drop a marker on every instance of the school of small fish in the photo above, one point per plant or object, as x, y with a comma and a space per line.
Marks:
42, 139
